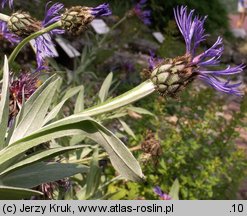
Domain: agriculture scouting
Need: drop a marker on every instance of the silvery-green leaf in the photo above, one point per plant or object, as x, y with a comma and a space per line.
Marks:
34, 113
29, 103
120, 156
39, 173
127, 129
174, 191
104, 90
53, 113
15, 193
41, 156
140, 110
4, 104
79, 104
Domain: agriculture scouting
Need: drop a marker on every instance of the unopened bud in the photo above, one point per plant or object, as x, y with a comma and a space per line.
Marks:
172, 76
76, 19
22, 24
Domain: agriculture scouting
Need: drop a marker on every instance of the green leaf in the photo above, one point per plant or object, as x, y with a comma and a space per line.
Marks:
4, 104
15, 193
39, 173
79, 104
120, 156
70, 93
33, 116
140, 110
127, 129
93, 177
41, 156
104, 90
174, 191
29, 103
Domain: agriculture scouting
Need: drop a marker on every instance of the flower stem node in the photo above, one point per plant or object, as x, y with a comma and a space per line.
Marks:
172, 76
22, 24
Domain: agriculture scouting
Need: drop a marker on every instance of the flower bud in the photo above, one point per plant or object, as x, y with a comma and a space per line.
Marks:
22, 24
172, 76
76, 19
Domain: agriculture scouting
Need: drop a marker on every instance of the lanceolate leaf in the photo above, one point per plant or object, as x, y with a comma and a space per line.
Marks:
15, 193
33, 117
121, 158
4, 104
174, 191
127, 129
103, 93
70, 93
79, 104
40, 156
38, 173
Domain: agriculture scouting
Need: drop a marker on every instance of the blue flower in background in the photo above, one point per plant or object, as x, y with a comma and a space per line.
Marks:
4, 2
143, 15
161, 194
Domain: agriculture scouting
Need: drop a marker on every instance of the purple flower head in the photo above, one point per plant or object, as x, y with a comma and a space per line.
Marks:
4, 33
4, 2
101, 10
193, 32
161, 194
25, 84
44, 43
143, 15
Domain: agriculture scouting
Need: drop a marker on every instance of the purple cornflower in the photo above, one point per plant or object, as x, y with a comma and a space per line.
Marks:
143, 15
44, 43
194, 33
25, 85
101, 10
4, 2
4, 33
161, 194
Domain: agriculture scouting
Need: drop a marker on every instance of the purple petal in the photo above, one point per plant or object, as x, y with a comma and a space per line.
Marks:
222, 85
158, 191
52, 14
228, 71
101, 10
153, 61
191, 29
42, 45
12, 38
4, 2
213, 53
143, 15
161, 194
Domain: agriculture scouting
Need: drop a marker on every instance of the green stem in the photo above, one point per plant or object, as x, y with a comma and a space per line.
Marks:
144, 89
30, 37
112, 28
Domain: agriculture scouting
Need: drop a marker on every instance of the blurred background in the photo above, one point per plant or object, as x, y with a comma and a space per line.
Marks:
200, 138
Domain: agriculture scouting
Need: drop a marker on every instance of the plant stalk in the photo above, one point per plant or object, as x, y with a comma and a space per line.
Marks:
29, 38
144, 89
